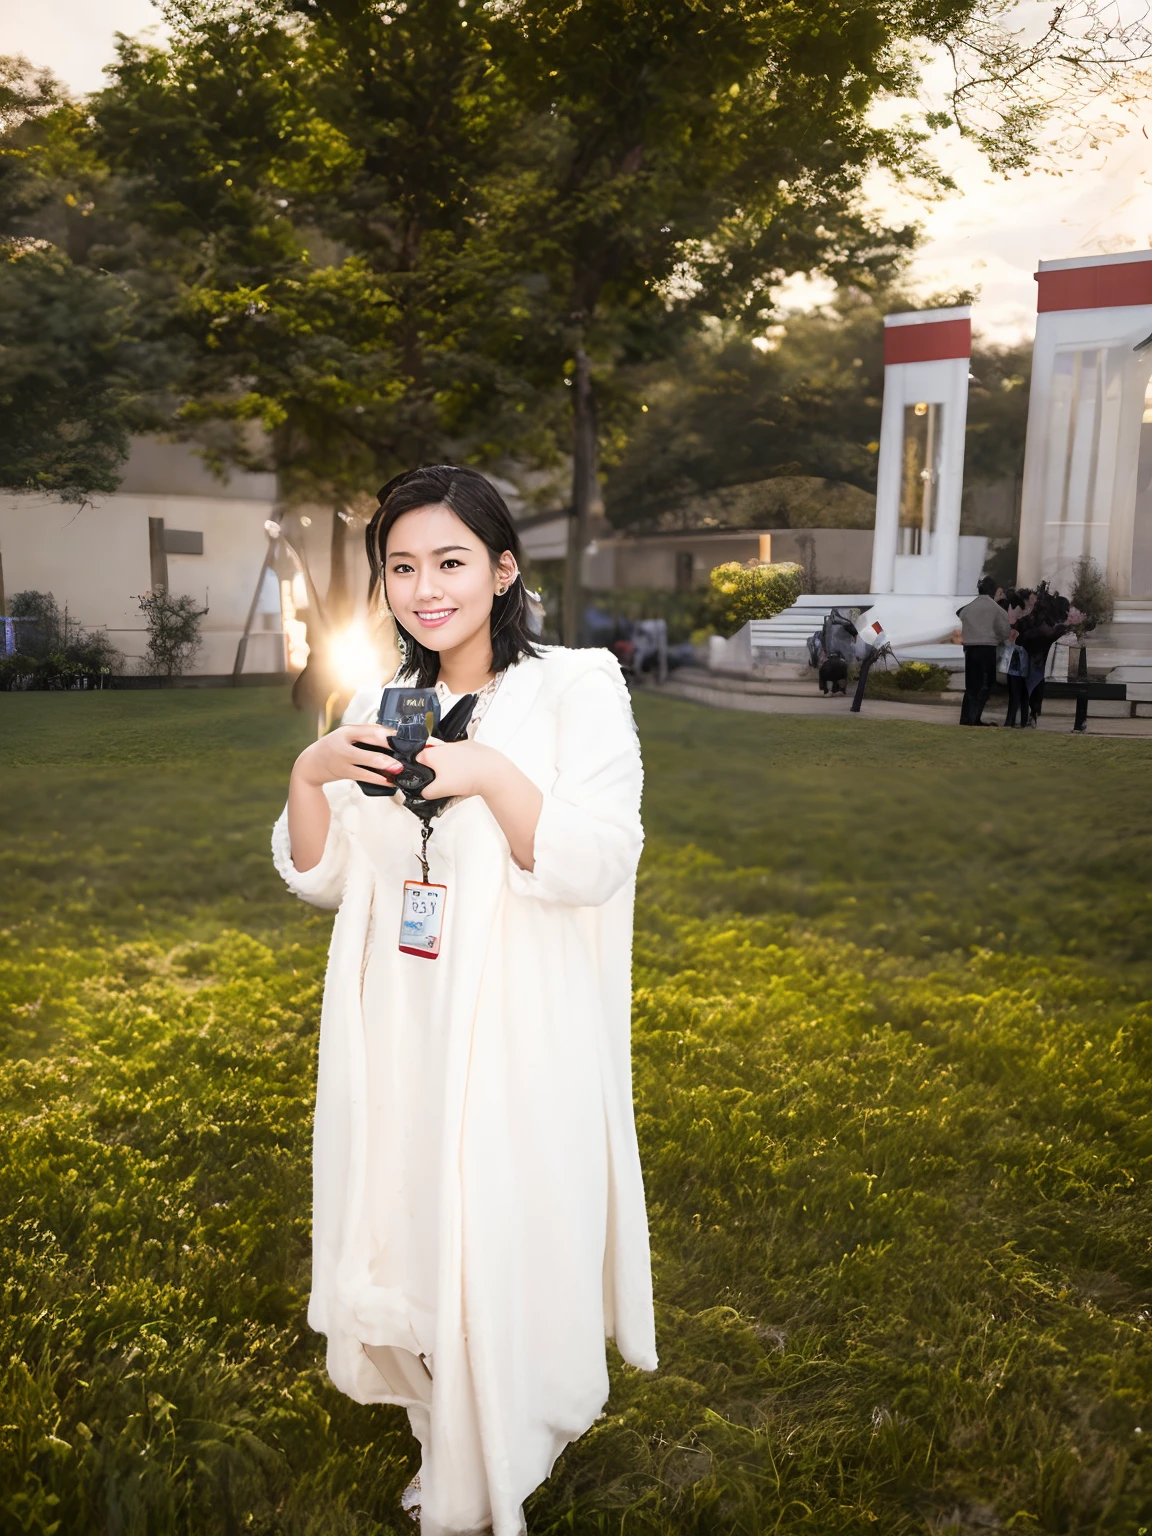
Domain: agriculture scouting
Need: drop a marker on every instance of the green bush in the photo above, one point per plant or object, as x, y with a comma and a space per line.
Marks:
908, 677
1092, 593
174, 638
753, 591
53, 651
81, 667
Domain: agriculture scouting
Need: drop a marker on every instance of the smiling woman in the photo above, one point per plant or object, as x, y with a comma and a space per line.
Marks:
479, 1223
461, 575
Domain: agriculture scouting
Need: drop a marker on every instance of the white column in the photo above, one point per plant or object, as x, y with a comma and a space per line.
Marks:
926, 356
1084, 417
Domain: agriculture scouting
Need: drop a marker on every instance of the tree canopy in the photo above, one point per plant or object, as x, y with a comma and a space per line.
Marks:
805, 403
393, 232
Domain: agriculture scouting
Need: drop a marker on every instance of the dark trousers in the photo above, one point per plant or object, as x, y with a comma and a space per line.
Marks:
1017, 700
979, 676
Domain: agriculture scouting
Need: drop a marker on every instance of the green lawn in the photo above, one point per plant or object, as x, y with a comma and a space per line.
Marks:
894, 1084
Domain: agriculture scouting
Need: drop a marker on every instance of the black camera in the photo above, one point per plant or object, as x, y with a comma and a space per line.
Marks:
413, 715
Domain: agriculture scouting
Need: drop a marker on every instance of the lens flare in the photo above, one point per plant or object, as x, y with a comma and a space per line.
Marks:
295, 630
355, 659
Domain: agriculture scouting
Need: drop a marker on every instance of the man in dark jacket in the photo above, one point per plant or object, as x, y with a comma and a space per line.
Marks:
984, 626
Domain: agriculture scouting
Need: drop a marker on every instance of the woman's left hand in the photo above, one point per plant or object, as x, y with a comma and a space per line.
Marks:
462, 768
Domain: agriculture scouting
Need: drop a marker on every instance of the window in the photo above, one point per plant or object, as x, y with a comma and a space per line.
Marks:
684, 570
920, 476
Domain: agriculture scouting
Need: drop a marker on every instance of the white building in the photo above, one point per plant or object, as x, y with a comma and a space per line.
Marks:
921, 566
171, 524
920, 471
1088, 462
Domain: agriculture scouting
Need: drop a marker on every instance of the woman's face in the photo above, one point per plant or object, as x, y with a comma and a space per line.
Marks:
439, 578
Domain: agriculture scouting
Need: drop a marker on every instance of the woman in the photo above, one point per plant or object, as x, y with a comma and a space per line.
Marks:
479, 1223
1049, 617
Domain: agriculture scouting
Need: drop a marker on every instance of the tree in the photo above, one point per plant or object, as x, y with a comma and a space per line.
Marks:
66, 385
308, 184
804, 402
174, 638
66, 388
689, 157
383, 231
727, 412
697, 154
511, 200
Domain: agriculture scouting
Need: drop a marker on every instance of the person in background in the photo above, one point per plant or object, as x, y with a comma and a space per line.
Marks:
1016, 671
984, 626
1049, 617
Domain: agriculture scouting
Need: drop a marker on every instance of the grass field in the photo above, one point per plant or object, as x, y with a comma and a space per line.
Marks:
894, 1085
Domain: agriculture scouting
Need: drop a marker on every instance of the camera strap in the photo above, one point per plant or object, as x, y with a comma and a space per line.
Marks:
422, 914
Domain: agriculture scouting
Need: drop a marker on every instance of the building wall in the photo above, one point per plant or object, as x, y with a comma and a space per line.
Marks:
96, 559
158, 468
843, 555
96, 562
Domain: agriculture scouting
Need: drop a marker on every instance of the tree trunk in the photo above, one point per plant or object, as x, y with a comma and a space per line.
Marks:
585, 495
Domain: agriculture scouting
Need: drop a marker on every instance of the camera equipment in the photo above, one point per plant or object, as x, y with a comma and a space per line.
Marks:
413, 715
871, 643
400, 707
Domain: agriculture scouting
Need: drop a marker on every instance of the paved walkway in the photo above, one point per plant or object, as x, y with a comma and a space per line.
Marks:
812, 702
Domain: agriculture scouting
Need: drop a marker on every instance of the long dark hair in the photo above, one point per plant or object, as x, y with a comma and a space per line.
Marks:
481, 508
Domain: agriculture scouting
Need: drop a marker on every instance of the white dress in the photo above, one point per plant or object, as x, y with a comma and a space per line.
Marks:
479, 1223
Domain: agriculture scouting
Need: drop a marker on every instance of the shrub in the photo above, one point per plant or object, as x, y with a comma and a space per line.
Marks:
53, 651
42, 626
753, 591
17, 672
173, 632
1091, 593
909, 677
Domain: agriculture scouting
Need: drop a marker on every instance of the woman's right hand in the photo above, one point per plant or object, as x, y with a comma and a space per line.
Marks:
342, 755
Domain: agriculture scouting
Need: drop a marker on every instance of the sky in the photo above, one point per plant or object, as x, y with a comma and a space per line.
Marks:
988, 235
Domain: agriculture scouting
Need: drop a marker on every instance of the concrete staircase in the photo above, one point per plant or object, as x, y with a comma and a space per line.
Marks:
784, 639
778, 647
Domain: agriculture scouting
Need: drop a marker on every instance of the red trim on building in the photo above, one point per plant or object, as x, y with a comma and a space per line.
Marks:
928, 342
1106, 287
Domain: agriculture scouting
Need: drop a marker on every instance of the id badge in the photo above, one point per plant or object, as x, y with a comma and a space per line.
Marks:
422, 919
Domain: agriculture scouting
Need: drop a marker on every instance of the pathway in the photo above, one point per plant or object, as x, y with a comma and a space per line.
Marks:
788, 698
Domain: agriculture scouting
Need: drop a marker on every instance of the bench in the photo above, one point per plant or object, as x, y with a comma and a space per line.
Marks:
1082, 689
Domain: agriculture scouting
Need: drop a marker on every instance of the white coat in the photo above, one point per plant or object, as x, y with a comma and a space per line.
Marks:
535, 1222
